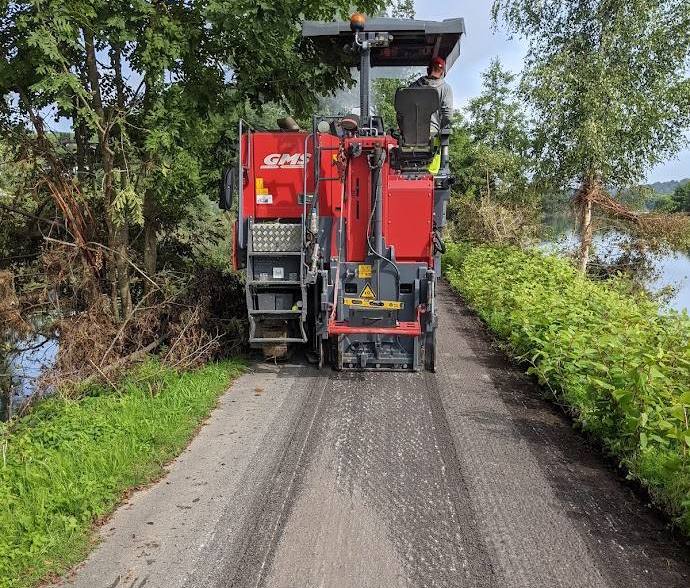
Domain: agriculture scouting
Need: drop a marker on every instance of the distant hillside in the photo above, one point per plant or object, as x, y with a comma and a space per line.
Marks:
667, 187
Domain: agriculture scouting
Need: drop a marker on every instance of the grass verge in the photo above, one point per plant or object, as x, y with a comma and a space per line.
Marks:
70, 462
620, 365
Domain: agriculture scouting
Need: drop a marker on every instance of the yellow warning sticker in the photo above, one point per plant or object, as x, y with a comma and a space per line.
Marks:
261, 190
368, 293
373, 304
364, 271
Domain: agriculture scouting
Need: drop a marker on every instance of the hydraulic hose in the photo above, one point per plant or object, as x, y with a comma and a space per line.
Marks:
340, 249
377, 211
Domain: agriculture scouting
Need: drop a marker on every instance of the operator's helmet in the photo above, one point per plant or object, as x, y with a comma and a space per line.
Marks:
437, 62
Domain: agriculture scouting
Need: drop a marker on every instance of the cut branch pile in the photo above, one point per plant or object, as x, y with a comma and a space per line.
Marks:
10, 316
177, 321
491, 221
670, 229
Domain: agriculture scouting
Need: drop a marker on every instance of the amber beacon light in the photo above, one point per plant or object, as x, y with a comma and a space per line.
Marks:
357, 21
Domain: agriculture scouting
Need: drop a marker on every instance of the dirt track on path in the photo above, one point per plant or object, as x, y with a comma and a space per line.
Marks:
465, 477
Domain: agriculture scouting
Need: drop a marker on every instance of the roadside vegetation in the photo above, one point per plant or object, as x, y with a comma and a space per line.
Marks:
575, 133
71, 461
619, 365
116, 121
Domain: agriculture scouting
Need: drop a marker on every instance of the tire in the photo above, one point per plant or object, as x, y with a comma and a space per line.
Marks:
430, 352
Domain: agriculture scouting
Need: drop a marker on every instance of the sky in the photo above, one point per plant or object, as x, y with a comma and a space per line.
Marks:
482, 44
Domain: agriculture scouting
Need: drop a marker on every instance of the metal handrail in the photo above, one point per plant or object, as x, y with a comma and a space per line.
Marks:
304, 194
240, 175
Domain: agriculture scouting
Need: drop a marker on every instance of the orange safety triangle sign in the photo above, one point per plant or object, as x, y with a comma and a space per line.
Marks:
368, 293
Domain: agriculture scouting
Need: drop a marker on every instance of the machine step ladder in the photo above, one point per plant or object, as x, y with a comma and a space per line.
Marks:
276, 290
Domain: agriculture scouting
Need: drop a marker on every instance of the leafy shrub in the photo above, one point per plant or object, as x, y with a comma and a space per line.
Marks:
621, 365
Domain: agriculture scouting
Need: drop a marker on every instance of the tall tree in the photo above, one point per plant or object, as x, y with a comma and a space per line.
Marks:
607, 81
681, 198
403, 9
148, 89
499, 130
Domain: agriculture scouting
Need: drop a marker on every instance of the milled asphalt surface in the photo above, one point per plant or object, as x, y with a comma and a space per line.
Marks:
461, 478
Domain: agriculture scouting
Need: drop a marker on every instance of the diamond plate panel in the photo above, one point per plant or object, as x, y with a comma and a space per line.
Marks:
276, 237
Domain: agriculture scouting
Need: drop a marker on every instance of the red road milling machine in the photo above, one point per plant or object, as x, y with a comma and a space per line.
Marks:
339, 228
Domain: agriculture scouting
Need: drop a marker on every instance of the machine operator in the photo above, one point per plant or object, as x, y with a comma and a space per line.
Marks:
436, 72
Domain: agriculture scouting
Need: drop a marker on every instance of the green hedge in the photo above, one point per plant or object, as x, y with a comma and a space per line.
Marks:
619, 363
70, 462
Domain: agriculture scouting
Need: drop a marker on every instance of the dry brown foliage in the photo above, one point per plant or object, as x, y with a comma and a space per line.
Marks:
489, 221
669, 229
92, 343
84, 339
10, 315
181, 321
67, 274
191, 345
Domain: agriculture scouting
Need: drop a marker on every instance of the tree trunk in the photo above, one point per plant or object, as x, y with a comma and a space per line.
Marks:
81, 139
151, 224
150, 238
122, 264
112, 280
119, 159
118, 231
586, 231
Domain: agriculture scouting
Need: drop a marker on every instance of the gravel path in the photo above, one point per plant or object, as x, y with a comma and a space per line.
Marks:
461, 478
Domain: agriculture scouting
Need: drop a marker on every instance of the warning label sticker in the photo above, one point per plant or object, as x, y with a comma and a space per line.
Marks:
374, 304
364, 271
368, 293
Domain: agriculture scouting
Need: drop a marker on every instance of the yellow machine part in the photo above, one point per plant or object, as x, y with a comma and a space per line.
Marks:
373, 304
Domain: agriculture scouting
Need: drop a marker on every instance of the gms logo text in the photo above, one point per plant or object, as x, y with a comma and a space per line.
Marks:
285, 161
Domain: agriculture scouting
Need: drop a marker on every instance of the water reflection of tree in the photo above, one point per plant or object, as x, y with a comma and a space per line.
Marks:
619, 254
558, 224
632, 262
5, 388
12, 327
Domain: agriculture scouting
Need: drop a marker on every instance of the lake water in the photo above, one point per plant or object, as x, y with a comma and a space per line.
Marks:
673, 270
25, 367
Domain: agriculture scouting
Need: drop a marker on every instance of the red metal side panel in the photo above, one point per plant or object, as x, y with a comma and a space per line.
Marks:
358, 208
408, 217
329, 189
358, 198
274, 174
278, 165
